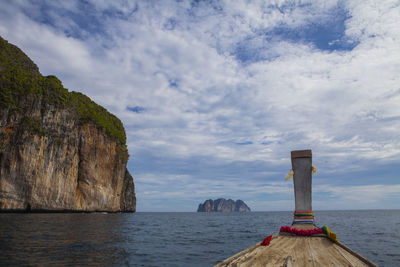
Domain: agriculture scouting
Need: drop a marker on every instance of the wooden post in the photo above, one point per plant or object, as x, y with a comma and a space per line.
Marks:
301, 166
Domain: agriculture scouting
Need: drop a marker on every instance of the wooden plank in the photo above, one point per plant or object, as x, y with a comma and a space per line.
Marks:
302, 182
297, 251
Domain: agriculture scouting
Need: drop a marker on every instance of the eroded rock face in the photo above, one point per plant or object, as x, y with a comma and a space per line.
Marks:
223, 205
128, 197
52, 158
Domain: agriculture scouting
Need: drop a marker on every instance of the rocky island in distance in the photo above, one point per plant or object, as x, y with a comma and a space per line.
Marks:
223, 205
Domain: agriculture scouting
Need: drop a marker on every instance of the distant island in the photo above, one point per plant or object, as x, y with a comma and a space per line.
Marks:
223, 205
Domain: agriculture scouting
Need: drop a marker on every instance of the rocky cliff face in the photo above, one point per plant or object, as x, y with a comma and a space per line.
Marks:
223, 205
58, 149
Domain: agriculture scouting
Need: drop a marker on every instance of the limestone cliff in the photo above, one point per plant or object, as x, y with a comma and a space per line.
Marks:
58, 150
223, 205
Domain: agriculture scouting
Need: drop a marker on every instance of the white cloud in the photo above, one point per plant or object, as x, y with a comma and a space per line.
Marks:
181, 64
376, 196
363, 194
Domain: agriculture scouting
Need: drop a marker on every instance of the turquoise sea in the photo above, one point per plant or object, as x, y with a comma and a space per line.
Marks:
176, 239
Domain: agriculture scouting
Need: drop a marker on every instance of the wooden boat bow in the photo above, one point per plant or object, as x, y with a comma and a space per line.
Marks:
290, 249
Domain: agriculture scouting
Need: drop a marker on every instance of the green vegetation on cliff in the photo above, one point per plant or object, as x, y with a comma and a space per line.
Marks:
20, 78
33, 125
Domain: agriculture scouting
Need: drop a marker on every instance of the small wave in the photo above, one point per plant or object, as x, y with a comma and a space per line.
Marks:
392, 255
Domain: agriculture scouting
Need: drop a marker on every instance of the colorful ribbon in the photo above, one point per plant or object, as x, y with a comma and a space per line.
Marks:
303, 217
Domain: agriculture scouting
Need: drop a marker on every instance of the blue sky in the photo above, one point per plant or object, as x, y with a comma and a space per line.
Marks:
215, 94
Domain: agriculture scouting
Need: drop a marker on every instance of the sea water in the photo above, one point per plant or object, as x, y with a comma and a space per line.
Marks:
177, 239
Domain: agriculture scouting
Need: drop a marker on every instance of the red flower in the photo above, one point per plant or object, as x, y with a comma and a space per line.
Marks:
266, 241
301, 232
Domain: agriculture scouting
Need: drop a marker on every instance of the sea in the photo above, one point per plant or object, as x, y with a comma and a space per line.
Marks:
176, 239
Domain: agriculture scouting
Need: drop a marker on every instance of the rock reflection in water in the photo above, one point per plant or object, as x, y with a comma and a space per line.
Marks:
70, 239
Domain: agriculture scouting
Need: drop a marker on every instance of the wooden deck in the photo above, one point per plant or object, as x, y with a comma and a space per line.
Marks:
289, 250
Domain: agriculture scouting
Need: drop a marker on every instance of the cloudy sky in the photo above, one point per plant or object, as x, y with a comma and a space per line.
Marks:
215, 94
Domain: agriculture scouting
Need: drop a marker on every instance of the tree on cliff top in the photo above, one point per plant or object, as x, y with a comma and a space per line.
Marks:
20, 78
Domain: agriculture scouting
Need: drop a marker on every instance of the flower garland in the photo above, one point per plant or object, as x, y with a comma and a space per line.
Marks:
301, 232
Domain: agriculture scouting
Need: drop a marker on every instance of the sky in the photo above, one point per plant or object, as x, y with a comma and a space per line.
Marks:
215, 94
